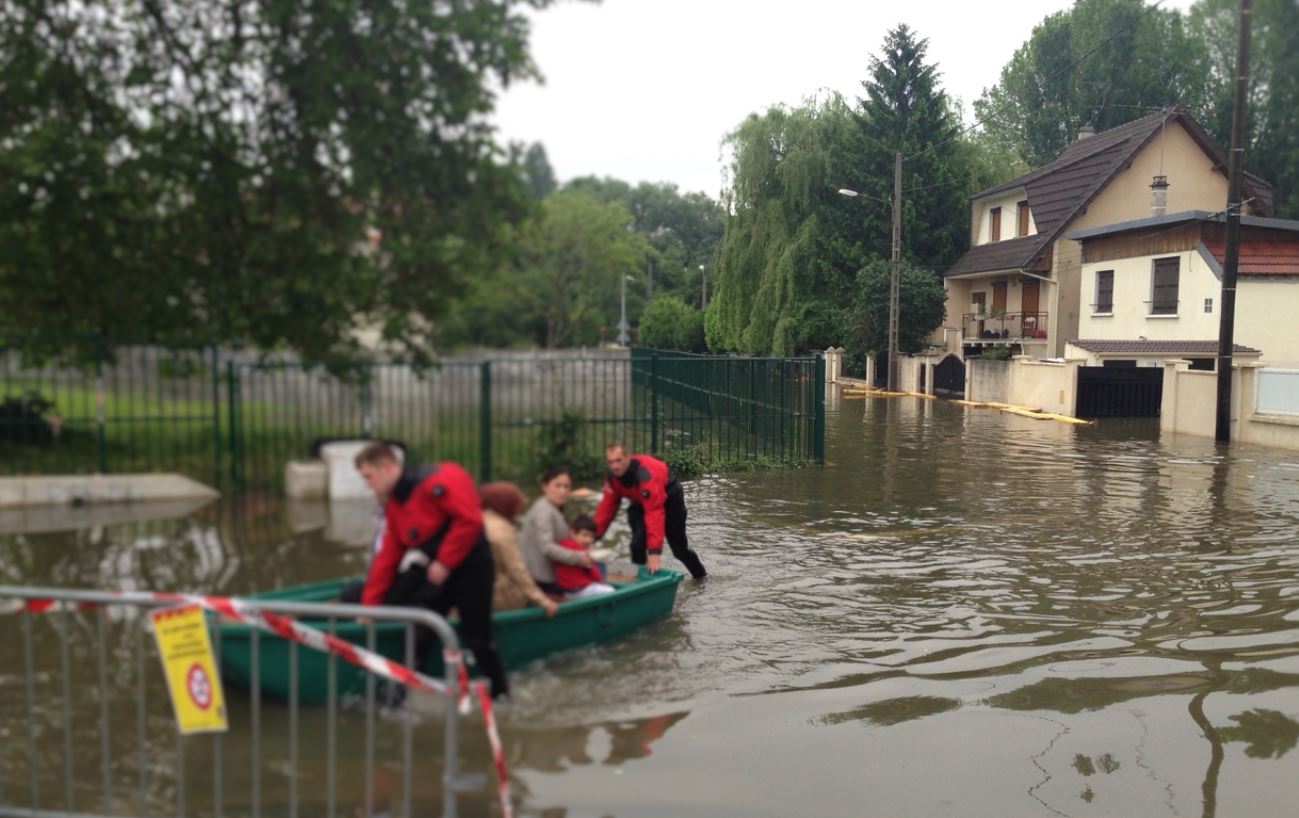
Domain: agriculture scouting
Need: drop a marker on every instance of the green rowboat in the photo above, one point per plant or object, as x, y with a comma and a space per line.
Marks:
521, 636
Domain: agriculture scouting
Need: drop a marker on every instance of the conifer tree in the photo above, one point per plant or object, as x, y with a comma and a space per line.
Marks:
904, 109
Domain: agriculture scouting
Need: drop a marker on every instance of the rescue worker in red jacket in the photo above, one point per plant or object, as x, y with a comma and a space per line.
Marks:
657, 511
433, 553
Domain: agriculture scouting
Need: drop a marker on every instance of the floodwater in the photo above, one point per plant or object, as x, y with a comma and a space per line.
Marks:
963, 613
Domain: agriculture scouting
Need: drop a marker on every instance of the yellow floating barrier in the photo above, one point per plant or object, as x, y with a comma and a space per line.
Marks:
852, 392
1026, 412
861, 393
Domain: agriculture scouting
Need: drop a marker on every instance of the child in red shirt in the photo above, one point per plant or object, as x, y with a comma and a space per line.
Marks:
575, 581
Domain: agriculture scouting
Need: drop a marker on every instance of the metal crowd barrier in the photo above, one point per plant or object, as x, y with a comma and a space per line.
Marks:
122, 653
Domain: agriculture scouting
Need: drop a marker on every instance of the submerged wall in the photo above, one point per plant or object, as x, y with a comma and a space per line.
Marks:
1190, 402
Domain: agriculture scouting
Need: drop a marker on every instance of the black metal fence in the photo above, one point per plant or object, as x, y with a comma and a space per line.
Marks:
104, 408
734, 408
236, 421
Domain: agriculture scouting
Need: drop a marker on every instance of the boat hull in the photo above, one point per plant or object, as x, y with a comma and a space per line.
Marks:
521, 636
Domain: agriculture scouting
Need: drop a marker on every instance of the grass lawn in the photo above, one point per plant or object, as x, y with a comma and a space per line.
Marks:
176, 426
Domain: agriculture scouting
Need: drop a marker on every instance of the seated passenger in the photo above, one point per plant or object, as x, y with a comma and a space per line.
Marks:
544, 527
514, 587
577, 582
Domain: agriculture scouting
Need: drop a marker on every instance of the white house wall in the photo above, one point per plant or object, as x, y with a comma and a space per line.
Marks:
1131, 318
1267, 318
1267, 309
1009, 205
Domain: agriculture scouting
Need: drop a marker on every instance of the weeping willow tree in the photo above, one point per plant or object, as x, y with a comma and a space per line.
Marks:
792, 244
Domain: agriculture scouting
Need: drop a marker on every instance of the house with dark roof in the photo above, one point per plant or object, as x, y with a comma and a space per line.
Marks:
1151, 290
1020, 283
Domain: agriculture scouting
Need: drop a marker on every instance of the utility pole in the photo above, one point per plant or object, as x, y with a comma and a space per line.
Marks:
1230, 264
895, 271
624, 337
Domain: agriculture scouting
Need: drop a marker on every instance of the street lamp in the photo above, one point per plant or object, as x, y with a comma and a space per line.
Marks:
624, 337
895, 265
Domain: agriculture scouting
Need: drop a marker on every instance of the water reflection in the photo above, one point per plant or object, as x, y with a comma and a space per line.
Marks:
894, 711
993, 615
1268, 733
610, 743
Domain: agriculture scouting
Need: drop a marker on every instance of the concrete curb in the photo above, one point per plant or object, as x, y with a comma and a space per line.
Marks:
96, 489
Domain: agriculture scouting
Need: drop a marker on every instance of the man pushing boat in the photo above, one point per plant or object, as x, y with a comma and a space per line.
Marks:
657, 511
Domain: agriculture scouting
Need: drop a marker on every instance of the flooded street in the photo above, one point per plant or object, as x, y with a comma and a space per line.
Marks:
963, 613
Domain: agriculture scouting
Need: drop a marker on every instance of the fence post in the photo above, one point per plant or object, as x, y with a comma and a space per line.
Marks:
818, 440
101, 451
780, 418
485, 422
654, 402
232, 405
216, 417
753, 406
367, 402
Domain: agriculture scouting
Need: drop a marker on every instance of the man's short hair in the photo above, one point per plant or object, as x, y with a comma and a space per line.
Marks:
614, 444
375, 453
582, 522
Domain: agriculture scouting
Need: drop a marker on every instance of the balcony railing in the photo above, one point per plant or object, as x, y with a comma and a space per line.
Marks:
1006, 326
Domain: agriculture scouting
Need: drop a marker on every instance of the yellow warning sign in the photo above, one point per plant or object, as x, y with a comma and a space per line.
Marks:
190, 668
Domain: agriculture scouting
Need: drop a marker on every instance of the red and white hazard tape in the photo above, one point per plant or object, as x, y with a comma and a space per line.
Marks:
14, 606
316, 639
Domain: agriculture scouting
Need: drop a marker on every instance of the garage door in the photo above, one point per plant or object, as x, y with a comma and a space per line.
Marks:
1108, 392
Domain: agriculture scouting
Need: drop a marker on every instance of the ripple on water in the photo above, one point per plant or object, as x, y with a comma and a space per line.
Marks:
952, 575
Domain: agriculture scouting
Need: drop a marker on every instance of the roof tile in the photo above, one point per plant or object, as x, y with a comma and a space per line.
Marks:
1059, 190
1203, 349
1261, 257
1010, 254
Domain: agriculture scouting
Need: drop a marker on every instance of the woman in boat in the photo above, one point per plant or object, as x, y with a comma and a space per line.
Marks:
544, 527
514, 586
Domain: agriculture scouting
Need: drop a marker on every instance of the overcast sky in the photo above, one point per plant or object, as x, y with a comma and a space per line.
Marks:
645, 90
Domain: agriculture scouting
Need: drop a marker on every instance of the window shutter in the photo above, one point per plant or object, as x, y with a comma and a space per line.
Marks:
1104, 291
1163, 299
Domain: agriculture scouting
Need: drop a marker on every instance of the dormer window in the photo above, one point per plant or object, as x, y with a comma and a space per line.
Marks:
1023, 219
994, 233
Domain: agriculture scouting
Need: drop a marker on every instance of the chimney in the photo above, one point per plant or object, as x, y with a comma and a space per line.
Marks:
1159, 196
1086, 131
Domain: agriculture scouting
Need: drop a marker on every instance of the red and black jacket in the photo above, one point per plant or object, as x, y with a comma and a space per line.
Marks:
434, 508
574, 577
647, 482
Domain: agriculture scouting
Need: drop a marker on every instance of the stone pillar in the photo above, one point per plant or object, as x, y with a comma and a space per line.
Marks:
833, 364
870, 369
1244, 399
1168, 401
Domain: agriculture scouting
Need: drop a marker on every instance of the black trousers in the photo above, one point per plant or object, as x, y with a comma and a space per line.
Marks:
469, 590
674, 530
350, 594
